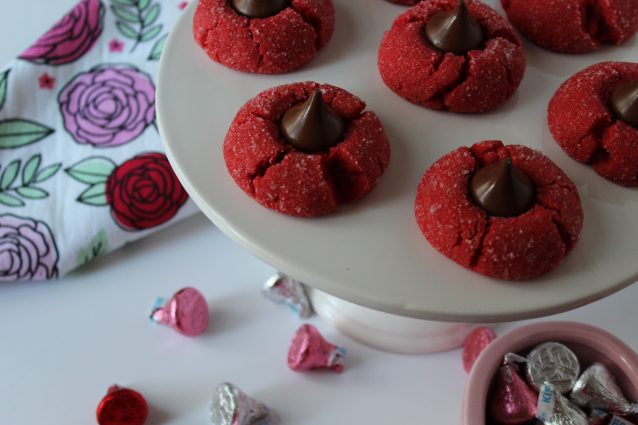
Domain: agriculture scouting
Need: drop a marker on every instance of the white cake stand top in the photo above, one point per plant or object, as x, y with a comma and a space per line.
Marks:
372, 252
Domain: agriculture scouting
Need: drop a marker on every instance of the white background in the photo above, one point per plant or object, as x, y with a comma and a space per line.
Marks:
63, 343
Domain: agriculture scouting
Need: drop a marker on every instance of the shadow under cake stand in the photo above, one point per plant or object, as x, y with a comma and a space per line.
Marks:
373, 274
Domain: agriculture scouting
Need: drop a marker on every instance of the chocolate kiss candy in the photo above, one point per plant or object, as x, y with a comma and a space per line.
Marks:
624, 102
454, 31
312, 126
513, 401
502, 189
309, 351
597, 388
556, 409
284, 289
259, 8
554, 363
186, 312
230, 406
122, 406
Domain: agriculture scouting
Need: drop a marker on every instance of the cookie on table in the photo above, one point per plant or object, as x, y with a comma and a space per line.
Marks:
304, 149
505, 211
573, 26
594, 117
264, 37
446, 54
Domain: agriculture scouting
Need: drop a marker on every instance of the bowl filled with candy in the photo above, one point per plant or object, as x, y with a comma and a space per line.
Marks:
553, 373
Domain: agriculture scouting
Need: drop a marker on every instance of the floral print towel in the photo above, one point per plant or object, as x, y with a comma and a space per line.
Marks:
81, 166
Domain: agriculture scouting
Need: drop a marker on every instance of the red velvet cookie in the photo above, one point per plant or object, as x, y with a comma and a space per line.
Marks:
573, 26
275, 44
287, 180
476, 81
513, 248
582, 124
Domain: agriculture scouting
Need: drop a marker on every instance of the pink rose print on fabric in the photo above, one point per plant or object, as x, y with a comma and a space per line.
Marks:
27, 250
108, 106
71, 37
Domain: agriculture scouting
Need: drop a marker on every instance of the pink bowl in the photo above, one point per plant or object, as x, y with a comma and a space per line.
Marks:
588, 342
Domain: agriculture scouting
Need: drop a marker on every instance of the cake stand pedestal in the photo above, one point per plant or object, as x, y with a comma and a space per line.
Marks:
388, 332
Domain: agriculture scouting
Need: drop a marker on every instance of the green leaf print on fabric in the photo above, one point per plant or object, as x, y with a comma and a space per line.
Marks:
96, 169
95, 172
158, 48
15, 133
136, 19
94, 195
98, 246
12, 193
4, 82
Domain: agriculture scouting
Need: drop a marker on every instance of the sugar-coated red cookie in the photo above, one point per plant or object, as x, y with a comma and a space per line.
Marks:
511, 248
478, 81
292, 182
272, 45
573, 26
582, 124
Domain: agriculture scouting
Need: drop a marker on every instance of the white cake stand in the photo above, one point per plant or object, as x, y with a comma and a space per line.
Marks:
371, 253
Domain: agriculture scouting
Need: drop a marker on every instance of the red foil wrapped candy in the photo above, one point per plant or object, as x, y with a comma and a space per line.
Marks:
186, 312
122, 406
309, 351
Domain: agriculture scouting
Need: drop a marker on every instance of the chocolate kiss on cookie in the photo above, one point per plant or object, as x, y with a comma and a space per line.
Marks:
454, 31
624, 102
259, 8
312, 126
501, 189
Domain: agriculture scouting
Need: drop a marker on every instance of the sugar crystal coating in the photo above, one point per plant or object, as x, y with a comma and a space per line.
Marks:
573, 26
582, 124
276, 44
511, 248
292, 182
478, 81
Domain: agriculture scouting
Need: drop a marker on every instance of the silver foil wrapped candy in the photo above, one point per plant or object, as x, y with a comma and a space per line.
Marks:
550, 362
556, 409
230, 406
286, 290
596, 388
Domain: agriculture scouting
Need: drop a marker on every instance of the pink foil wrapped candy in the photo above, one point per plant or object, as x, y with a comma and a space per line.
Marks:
186, 312
513, 401
474, 345
309, 351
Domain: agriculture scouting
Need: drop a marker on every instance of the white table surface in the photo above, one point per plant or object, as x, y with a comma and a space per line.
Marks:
62, 344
